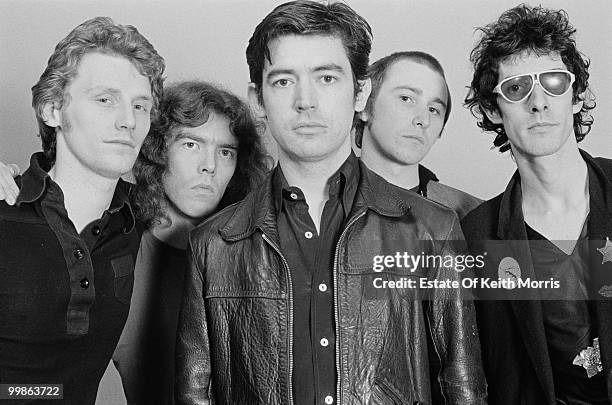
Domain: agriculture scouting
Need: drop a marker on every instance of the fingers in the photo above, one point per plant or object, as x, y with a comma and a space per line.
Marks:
8, 188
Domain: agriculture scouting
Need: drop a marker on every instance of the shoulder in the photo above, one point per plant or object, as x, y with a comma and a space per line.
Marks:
605, 164
23, 213
480, 223
214, 223
457, 200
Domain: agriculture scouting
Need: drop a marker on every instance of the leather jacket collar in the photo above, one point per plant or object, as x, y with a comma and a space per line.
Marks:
373, 193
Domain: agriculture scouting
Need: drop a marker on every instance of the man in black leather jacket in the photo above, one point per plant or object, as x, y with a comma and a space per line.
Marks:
285, 301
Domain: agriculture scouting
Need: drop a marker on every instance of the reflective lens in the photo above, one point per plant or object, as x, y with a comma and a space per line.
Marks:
517, 88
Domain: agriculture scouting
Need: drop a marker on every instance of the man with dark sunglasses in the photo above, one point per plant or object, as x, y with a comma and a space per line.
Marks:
551, 344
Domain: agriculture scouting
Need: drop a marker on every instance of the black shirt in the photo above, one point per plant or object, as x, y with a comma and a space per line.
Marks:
570, 320
64, 296
311, 260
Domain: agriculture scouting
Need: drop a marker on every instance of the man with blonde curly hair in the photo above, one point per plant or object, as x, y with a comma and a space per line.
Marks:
69, 243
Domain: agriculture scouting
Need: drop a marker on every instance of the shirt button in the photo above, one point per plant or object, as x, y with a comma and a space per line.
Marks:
78, 253
95, 230
293, 196
322, 287
329, 400
84, 283
308, 235
324, 342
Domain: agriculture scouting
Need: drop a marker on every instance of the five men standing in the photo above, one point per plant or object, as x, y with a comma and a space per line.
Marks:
278, 303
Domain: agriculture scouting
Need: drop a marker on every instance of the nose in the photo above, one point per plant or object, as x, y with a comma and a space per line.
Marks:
207, 161
126, 119
305, 96
538, 99
421, 118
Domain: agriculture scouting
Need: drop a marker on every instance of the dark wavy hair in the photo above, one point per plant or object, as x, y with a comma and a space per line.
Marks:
100, 35
305, 17
190, 104
526, 29
377, 72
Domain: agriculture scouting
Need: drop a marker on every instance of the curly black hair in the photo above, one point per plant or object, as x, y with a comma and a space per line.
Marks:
190, 104
526, 29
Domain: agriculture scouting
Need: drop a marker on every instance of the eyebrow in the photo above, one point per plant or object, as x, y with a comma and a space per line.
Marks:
327, 67
419, 92
184, 135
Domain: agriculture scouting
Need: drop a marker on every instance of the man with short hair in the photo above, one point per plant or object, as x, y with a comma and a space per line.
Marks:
279, 305
69, 244
404, 117
549, 344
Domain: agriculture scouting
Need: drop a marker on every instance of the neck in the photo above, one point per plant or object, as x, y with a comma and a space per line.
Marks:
311, 177
86, 194
404, 176
175, 233
552, 183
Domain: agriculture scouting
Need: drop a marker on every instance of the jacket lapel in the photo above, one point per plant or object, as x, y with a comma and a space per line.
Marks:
600, 266
527, 309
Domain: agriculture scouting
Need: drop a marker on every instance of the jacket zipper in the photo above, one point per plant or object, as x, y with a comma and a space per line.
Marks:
336, 314
290, 292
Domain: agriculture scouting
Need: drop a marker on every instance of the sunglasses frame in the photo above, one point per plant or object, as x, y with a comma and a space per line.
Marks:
535, 78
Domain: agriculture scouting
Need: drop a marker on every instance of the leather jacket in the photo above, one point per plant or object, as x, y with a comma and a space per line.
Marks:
235, 334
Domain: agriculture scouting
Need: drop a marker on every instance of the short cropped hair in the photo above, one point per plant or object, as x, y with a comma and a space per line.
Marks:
303, 17
190, 104
377, 73
100, 35
533, 30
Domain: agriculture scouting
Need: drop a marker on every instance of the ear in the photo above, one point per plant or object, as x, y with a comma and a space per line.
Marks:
578, 106
365, 88
51, 115
258, 108
493, 115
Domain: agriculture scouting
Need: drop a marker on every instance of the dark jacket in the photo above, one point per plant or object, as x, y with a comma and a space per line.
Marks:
459, 201
235, 341
513, 339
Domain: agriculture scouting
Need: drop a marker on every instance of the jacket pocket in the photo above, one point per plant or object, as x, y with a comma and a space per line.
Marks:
123, 267
384, 393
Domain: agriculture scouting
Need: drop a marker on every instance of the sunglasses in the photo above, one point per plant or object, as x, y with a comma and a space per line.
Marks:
517, 88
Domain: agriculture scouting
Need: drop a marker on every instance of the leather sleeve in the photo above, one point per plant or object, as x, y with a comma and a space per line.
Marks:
193, 366
454, 332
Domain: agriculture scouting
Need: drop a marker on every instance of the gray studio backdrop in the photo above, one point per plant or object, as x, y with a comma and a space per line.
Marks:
207, 38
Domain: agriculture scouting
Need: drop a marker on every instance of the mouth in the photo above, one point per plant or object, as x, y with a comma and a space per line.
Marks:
122, 142
541, 125
309, 127
414, 138
203, 189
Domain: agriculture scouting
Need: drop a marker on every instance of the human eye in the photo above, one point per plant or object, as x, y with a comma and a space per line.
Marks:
328, 79
406, 99
141, 107
191, 145
434, 110
227, 153
105, 99
282, 82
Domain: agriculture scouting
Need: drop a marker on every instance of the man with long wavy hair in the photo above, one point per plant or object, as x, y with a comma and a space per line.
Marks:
202, 154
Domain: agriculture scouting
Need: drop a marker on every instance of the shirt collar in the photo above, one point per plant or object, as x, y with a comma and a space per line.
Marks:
343, 183
36, 181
